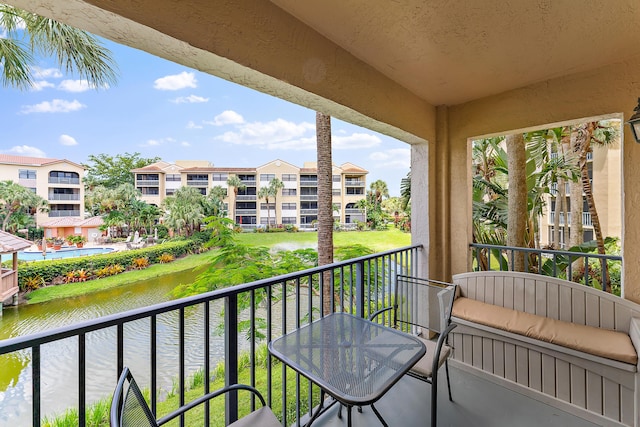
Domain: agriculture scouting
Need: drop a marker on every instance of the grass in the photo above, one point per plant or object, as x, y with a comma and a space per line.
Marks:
376, 240
83, 288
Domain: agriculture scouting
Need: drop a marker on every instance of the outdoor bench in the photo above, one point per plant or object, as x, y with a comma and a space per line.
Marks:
563, 343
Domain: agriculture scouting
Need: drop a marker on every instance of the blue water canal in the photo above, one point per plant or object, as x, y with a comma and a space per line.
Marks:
59, 360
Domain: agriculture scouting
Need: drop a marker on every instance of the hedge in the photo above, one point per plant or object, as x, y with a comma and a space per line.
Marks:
51, 269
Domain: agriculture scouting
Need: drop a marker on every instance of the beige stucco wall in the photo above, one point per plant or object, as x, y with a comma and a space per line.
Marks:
611, 90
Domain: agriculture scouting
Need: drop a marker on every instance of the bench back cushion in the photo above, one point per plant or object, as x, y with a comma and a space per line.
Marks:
549, 297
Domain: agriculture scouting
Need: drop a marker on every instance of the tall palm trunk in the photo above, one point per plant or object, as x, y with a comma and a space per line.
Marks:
325, 207
517, 200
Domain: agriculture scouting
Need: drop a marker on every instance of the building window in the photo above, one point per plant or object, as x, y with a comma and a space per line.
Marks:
149, 191
336, 192
265, 206
288, 219
267, 177
173, 177
170, 191
336, 178
198, 177
289, 192
289, 177
288, 206
219, 176
355, 190
26, 174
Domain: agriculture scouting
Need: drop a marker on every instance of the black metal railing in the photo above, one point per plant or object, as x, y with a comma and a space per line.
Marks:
552, 263
278, 304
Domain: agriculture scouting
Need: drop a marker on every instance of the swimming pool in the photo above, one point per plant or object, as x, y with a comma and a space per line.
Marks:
61, 253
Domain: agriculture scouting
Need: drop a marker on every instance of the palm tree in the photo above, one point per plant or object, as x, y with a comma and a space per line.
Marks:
75, 50
517, 201
325, 199
183, 210
14, 199
275, 185
236, 183
265, 193
379, 190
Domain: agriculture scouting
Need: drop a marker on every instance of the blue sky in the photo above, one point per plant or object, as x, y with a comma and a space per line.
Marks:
160, 108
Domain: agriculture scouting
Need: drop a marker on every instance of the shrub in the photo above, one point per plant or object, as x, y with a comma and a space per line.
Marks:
33, 282
166, 258
140, 263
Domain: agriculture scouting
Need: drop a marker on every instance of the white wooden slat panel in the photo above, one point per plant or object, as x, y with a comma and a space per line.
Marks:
578, 386
626, 406
535, 370
611, 399
487, 355
594, 392
592, 314
457, 346
548, 375
489, 291
471, 287
541, 298
467, 347
522, 366
498, 358
510, 362
565, 304
623, 318
498, 291
553, 301
607, 314
508, 292
481, 284
476, 357
518, 293
563, 380
578, 307
530, 296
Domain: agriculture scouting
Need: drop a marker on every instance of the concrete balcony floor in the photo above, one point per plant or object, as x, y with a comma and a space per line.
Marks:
477, 403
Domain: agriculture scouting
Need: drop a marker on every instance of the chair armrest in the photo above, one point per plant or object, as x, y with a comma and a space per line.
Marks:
634, 334
379, 312
210, 396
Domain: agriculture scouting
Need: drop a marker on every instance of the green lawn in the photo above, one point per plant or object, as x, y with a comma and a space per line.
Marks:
378, 241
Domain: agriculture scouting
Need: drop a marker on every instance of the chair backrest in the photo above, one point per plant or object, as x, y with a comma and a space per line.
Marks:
128, 406
423, 303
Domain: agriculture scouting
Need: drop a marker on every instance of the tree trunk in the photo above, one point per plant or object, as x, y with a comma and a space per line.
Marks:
575, 228
325, 207
517, 201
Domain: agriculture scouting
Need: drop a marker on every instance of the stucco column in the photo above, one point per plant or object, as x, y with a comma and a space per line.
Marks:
420, 217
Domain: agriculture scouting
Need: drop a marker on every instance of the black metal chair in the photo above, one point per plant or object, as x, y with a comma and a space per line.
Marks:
422, 306
129, 407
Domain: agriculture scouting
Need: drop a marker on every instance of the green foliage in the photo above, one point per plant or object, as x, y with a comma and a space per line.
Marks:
51, 269
353, 251
111, 171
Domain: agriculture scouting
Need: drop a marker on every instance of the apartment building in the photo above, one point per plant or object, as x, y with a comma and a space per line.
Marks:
57, 181
296, 203
603, 165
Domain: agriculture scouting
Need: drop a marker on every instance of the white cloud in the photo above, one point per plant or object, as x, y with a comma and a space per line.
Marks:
395, 158
25, 150
185, 144
269, 135
151, 143
67, 140
39, 85
176, 81
55, 106
193, 125
355, 141
46, 73
77, 85
191, 99
227, 117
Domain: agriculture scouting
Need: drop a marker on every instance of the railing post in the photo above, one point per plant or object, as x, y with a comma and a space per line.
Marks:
360, 289
231, 356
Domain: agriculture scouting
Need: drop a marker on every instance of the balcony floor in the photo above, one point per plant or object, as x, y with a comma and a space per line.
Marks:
477, 402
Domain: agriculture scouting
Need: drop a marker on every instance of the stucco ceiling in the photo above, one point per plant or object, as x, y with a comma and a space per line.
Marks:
450, 52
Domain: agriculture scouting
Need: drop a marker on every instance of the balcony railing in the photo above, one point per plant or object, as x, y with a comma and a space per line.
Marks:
308, 211
147, 182
354, 183
353, 211
280, 304
246, 197
586, 218
197, 183
57, 214
57, 180
309, 197
249, 182
64, 196
246, 211
308, 183
564, 264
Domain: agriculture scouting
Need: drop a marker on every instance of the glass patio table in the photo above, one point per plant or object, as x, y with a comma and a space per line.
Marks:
350, 358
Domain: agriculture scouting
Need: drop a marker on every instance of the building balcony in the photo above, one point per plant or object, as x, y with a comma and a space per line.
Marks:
64, 196
245, 197
58, 214
249, 182
147, 183
309, 183
245, 211
586, 218
309, 197
308, 211
57, 180
353, 211
357, 285
197, 183
354, 183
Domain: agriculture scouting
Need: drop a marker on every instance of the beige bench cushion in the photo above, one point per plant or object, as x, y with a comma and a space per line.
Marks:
588, 339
